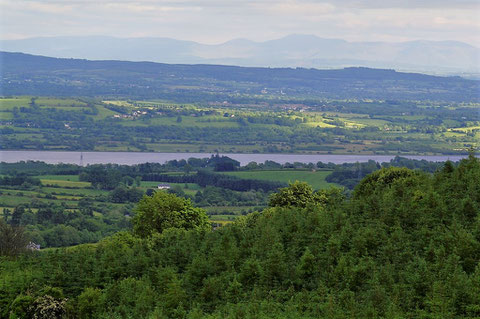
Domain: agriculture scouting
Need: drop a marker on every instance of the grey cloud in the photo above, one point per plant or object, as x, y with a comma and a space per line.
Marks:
376, 4
214, 21
240, 3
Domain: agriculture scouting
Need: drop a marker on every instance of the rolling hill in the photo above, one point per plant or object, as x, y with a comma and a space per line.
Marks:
28, 74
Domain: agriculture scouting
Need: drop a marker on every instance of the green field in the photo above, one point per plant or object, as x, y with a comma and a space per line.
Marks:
72, 178
314, 178
73, 191
64, 183
7, 104
367, 127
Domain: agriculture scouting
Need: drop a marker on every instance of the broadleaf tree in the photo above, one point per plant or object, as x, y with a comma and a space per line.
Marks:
162, 210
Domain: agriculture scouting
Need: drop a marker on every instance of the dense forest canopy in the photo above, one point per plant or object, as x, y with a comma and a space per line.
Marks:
406, 244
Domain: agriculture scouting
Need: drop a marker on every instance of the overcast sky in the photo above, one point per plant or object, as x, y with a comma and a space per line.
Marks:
215, 21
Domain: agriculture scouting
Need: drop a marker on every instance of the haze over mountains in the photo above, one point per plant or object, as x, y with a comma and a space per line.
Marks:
445, 57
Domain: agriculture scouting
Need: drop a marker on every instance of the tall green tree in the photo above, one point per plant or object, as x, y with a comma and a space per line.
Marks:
297, 194
162, 210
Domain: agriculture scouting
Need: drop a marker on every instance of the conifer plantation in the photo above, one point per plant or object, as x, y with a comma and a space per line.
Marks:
404, 244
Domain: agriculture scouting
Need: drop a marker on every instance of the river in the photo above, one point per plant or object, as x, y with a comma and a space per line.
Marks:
131, 158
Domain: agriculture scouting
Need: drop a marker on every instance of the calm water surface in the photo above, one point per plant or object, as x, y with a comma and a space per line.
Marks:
130, 158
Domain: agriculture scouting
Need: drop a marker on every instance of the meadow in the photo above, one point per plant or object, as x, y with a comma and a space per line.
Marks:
316, 178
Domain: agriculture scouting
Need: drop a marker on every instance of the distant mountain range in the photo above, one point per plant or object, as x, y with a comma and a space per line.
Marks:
24, 74
308, 51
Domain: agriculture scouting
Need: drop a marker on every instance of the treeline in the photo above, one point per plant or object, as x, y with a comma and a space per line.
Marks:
226, 198
205, 178
38, 168
277, 120
19, 180
218, 196
405, 245
350, 174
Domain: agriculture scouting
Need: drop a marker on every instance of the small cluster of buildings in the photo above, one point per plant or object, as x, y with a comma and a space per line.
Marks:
32, 246
130, 116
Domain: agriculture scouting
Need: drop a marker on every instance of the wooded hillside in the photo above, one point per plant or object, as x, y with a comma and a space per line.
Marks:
25, 74
405, 245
